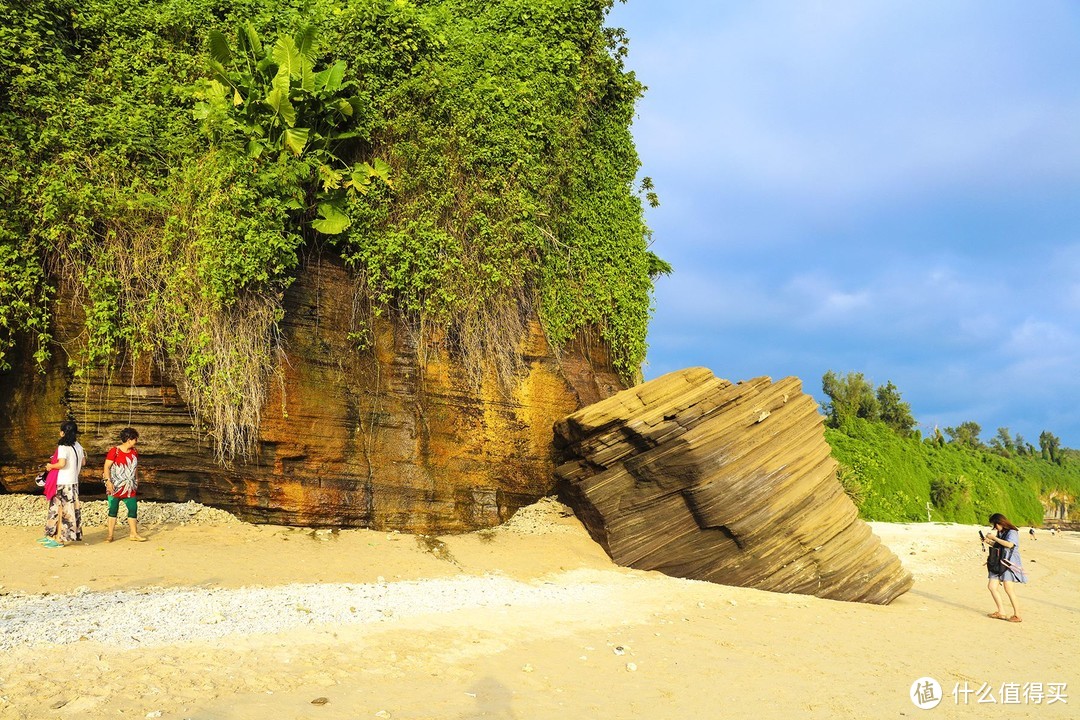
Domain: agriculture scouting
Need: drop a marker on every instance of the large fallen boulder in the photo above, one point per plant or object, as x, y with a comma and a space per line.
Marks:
700, 478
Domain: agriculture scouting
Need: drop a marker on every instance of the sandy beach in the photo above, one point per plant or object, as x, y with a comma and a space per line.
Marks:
225, 620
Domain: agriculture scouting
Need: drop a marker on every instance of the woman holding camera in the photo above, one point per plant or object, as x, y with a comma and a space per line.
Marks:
1004, 566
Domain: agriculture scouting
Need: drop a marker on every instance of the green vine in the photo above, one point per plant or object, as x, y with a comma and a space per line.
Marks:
471, 162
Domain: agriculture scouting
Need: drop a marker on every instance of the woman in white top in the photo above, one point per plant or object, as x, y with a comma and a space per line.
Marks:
63, 524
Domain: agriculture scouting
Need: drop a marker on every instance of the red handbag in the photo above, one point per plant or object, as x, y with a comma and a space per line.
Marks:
50, 481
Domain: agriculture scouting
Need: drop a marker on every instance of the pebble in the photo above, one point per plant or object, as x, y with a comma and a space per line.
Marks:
18, 510
181, 614
631, 667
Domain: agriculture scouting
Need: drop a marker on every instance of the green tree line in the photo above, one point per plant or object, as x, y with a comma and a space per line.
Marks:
892, 472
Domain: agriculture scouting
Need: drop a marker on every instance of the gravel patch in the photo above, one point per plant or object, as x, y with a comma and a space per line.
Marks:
29, 511
540, 518
18, 510
160, 616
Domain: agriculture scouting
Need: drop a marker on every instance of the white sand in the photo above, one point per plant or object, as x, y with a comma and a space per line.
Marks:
527, 621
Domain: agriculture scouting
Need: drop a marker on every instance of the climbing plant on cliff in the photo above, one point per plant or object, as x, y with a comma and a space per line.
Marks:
170, 162
507, 125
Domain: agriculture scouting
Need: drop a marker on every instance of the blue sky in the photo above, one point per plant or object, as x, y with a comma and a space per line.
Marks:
891, 188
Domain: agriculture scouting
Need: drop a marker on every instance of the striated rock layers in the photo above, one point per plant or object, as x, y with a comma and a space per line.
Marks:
700, 478
372, 439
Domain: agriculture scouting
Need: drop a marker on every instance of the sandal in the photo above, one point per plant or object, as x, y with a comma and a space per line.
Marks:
50, 543
997, 616
1015, 618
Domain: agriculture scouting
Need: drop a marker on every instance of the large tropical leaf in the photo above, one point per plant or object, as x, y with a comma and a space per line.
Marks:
279, 101
218, 71
332, 220
343, 107
307, 78
219, 47
305, 42
333, 76
288, 57
248, 41
296, 138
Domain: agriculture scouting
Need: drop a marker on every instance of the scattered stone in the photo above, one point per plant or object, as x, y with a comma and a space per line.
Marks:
163, 616
18, 510
526, 668
631, 667
320, 701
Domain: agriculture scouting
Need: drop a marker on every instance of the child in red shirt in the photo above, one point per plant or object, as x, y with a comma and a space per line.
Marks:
121, 483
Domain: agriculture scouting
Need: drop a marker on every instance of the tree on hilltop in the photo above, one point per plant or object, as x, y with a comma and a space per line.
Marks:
1050, 446
850, 397
1023, 447
965, 434
1002, 443
894, 411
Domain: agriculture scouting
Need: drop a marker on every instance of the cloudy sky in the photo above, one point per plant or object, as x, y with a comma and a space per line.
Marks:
884, 187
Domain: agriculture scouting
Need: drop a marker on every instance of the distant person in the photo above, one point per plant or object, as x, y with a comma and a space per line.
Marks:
122, 482
1031, 532
63, 523
1004, 565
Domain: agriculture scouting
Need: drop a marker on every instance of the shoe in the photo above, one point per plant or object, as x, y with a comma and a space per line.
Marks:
50, 543
43, 540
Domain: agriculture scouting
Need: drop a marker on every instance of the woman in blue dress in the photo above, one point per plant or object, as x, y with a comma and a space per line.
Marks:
1006, 538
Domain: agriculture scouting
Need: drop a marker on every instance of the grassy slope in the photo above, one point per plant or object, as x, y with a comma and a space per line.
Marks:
896, 474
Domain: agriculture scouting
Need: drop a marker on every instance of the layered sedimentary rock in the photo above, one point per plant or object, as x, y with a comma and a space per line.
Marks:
373, 439
700, 478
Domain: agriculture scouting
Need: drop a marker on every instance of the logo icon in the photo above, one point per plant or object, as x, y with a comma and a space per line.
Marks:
925, 693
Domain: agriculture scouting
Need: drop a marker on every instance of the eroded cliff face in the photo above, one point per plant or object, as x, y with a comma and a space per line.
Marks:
371, 439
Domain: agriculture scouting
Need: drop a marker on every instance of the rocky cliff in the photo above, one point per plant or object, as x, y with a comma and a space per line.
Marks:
373, 439
700, 478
